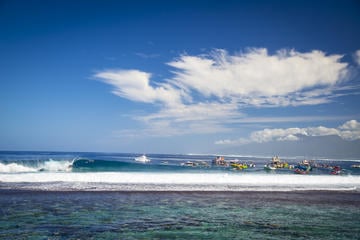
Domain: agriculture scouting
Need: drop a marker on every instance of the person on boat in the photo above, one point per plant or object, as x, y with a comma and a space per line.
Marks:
219, 161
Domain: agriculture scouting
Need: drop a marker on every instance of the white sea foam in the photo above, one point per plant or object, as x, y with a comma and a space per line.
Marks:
50, 165
180, 181
56, 166
15, 168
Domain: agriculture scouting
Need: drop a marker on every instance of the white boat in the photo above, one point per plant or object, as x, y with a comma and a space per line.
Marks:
142, 159
269, 167
189, 164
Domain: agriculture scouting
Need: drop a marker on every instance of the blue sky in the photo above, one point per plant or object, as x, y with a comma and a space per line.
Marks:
241, 77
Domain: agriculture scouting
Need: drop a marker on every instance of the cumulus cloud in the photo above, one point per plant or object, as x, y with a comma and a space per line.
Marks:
135, 85
257, 78
350, 131
252, 78
215, 87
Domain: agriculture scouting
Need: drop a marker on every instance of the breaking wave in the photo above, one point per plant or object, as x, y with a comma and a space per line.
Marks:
23, 167
177, 181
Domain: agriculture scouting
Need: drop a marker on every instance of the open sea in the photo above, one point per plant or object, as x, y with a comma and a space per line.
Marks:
67, 195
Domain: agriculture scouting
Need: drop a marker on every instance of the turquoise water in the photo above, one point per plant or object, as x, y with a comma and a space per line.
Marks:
181, 215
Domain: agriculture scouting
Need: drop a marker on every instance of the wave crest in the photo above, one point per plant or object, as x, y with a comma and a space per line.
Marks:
48, 166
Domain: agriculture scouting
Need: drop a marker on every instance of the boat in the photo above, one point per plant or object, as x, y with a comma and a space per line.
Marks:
269, 167
203, 164
336, 170
220, 161
355, 166
239, 166
276, 163
142, 159
310, 163
189, 164
302, 169
251, 165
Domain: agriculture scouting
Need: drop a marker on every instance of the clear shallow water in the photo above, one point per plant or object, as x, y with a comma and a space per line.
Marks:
181, 215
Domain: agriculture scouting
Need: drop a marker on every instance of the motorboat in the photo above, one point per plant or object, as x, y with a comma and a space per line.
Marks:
189, 164
276, 163
336, 170
302, 169
142, 159
269, 167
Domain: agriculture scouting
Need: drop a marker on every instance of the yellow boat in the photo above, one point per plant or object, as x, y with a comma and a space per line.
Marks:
239, 166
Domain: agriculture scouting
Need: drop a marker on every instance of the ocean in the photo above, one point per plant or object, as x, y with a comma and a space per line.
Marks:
67, 195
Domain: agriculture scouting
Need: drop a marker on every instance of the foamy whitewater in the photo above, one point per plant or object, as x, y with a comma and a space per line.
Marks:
119, 172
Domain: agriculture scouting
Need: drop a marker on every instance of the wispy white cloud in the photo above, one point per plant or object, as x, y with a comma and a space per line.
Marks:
350, 130
165, 128
195, 112
287, 119
214, 88
357, 57
202, 118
